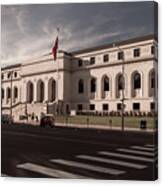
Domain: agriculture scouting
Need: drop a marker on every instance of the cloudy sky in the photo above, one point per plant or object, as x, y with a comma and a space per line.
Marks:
30, 30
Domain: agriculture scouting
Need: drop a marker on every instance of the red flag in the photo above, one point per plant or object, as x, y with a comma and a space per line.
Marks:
55, 48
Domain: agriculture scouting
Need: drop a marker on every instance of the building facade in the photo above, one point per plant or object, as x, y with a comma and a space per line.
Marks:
94, 79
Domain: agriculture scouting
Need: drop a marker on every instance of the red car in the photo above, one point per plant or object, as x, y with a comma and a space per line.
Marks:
47, 120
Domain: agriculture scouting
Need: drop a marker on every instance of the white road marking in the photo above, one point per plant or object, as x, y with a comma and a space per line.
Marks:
149, 145
136, 152
48, 171
5, 175
88, 167
127, 156
143, 148
112, 161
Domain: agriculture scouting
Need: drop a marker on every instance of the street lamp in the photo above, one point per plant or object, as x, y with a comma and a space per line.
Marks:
11, 78
123, 88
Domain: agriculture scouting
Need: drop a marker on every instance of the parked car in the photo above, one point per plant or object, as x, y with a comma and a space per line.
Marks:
47, 120
6, 119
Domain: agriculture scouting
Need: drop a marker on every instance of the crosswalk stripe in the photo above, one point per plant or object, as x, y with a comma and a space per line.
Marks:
136, 152
149, 145
112, 161
143, 148
127, 156
88, 167
48, 171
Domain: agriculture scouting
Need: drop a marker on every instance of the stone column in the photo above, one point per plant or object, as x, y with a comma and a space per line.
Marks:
98, 85
113, 88
46, 91
35, 91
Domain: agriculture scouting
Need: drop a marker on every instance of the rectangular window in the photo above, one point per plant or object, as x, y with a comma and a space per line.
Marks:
80, 62
136, 106
80, 107
92, 107
152, 50
92, 60
105, 107
120, 55
136, 52
152, 106
119, 107
106, 58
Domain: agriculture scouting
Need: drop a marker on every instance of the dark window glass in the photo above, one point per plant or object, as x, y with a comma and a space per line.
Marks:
15, 74
137, 81
80, 107
152, 50
105, 106
153, 80
2, 92
119, 106
136, 52
31, 92
80, 62
15, 92
92, 107
53, 90
2, 76
93, 85
92, 60
152, 106
106, 84
8, 93
80, 86
41, 92
106, 58
120, 55
121, 83
8, 75
136, 106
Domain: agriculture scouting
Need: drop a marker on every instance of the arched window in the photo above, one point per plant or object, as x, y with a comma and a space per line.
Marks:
2, 93
121, 82
15, 92
30, 92
51, 90
137, 81
15, 74
153, 79
40, 91
106, 83
93, 85
8, 93
81, 86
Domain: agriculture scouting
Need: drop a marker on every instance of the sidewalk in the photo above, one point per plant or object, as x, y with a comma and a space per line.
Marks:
92, 126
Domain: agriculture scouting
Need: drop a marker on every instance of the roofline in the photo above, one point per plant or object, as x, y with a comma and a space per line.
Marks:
110, 45
11, 66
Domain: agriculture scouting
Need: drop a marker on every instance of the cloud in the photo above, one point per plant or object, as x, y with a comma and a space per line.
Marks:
30, 30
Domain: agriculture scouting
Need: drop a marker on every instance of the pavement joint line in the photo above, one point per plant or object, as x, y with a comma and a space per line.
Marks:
126, 156
144, 148
136, 152
112, 161
88, 167
58, 138
49, 171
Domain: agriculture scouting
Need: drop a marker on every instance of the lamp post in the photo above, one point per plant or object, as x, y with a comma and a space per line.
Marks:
123, 88
11, 76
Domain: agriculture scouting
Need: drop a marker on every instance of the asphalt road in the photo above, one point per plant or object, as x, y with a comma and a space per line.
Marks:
30, 151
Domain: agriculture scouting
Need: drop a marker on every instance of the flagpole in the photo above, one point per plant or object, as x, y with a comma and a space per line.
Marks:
57, 97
